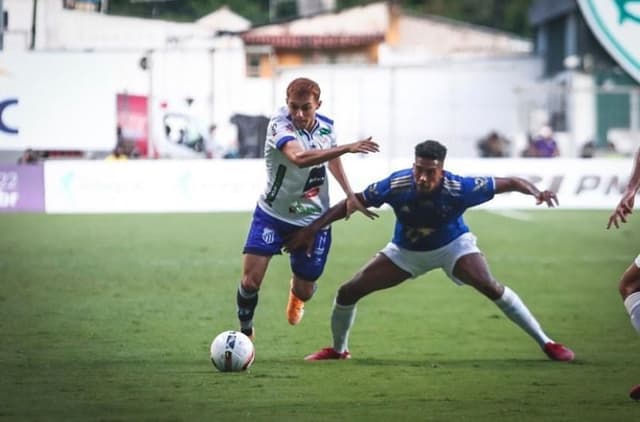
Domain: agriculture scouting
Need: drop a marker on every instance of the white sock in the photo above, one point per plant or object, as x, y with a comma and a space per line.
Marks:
342, 318
513, 307
632, 303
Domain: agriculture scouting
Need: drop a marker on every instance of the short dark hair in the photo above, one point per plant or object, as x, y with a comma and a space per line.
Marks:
432, 150
303, 86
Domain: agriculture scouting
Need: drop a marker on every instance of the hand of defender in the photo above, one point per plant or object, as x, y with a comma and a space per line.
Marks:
300, 239
364, 146
547, 197
353, 205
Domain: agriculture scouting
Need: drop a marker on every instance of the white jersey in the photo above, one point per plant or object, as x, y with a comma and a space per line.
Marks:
296, 195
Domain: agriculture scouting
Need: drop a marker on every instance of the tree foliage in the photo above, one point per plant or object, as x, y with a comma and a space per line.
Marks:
508, 15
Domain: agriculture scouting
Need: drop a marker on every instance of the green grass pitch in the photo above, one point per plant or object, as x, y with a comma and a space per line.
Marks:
110, 317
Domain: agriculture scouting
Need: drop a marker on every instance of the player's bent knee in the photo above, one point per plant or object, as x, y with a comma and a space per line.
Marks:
630, 282
628, 287
347, 295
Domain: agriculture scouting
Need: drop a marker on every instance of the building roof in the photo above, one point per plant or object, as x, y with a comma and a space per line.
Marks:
224, 20
372, 19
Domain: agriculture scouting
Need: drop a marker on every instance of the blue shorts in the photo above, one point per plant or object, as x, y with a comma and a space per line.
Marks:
266, 238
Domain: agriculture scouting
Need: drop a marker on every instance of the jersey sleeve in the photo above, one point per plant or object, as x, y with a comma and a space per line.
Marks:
282, 131
477, 190
377, 193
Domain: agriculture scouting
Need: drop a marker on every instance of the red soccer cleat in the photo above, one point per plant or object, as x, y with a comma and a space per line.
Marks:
635, 392
328, 353
557, 351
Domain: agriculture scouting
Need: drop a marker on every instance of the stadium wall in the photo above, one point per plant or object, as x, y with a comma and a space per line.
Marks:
159, 186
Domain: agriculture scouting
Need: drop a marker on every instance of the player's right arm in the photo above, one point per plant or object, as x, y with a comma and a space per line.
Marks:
625, 206
307, 158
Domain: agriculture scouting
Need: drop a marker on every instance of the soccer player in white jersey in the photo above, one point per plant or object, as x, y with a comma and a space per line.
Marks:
300, 145
629, 285
430, 233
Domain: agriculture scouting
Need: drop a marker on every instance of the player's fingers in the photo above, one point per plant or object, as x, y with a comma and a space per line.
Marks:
370, 214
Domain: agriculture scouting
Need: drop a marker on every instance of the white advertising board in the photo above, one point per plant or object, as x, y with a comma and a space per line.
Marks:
234, 185
152, 186
58, 101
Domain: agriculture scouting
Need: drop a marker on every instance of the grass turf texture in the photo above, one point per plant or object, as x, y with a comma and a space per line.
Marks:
110, 317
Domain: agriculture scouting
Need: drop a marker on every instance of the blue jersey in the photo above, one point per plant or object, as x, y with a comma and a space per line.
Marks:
428, 221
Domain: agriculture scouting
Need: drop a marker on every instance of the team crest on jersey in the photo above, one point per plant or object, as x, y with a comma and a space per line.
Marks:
480, 184
268, 235
274, 128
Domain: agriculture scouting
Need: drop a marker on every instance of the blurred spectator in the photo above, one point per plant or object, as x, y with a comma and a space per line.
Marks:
588, 150
118, 154
29, 156
493, 145
544, 145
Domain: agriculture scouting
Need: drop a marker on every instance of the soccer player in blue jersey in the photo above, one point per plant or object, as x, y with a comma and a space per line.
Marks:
430, 233
300, 145
629, 285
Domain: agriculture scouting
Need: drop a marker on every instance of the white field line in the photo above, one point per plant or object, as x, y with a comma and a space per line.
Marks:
513, 214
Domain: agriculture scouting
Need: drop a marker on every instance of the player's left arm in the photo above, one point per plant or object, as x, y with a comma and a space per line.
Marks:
352, 202
517, 184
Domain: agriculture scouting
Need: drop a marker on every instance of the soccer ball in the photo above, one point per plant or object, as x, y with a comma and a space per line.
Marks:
232, 351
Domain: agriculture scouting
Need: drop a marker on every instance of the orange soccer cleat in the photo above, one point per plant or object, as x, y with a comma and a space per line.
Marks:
295, 309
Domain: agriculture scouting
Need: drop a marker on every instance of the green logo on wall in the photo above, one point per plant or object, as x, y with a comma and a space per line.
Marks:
616, 24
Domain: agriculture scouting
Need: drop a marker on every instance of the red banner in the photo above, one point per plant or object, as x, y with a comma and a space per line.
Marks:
133, 124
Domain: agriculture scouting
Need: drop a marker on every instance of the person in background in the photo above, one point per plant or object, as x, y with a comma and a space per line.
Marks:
544, 145
629, 285
29, 156
493, 146
430, 233
300, 146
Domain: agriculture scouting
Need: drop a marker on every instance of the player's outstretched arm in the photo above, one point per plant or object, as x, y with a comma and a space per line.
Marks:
353, 204
307, 158
626, 204
304, 238
517, 184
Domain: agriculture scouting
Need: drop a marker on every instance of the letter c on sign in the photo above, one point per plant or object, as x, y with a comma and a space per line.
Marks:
4, 104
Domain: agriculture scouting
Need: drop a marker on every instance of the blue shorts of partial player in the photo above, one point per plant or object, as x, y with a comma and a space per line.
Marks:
266, 238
